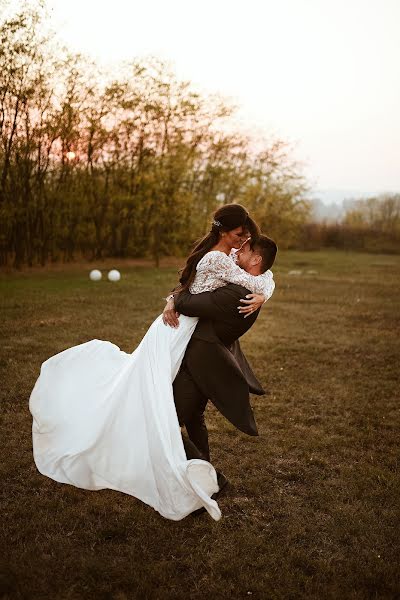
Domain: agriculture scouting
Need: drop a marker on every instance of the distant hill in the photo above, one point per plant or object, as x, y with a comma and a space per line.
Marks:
331, 205
326, 212
336, 196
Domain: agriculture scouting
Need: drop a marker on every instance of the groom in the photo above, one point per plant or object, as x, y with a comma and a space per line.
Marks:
214, 367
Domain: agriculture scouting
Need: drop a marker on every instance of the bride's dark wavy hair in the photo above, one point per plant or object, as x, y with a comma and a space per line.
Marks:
226, 218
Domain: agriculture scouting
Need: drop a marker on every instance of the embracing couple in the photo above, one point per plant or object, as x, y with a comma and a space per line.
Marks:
103, 418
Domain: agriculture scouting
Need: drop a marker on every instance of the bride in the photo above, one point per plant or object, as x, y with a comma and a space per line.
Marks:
104, 418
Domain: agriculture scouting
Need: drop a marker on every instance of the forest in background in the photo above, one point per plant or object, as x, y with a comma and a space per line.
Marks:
133, 163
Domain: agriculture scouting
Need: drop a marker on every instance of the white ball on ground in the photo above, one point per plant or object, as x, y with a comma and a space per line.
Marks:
95, 275
114, 275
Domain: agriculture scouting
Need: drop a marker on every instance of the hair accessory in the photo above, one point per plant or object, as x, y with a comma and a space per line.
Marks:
217, 223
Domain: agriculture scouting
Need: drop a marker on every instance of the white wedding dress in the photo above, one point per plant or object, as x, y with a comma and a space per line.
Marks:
103, 418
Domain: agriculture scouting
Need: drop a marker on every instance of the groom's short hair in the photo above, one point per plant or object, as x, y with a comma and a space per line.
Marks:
267, 249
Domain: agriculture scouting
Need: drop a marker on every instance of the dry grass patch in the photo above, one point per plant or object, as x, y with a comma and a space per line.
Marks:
313, 508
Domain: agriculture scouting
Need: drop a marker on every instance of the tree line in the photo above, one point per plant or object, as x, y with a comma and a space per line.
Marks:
368, 224
131, 164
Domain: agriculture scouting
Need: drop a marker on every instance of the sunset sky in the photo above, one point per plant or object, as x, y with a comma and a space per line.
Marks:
322, 73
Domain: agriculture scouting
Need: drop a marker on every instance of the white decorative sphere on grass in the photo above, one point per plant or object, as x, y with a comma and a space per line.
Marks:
95, 275
114, 275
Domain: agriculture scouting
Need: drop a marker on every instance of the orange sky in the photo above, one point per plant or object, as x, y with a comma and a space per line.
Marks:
323, 73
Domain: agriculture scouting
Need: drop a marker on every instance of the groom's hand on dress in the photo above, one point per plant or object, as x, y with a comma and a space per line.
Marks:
252, 302
170, 316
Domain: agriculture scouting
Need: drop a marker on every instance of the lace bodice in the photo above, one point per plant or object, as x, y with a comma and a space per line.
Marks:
216, 269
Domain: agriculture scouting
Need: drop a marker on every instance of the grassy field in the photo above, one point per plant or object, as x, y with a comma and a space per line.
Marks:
314, 507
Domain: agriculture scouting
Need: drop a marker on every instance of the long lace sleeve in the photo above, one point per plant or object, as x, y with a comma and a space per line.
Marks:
217, 265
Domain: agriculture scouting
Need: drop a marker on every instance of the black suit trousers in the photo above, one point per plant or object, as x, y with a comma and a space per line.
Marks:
190, 405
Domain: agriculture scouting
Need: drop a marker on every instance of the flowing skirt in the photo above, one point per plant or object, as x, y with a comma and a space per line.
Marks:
103, 418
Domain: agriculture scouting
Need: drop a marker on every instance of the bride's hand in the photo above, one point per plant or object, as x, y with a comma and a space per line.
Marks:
252, 302
170, 316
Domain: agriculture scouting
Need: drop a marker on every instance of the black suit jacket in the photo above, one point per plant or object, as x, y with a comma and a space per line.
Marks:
214, 358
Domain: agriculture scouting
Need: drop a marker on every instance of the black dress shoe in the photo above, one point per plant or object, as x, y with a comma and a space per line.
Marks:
223, 484
198, 511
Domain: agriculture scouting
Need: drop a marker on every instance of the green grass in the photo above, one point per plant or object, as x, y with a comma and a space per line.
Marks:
314, 507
